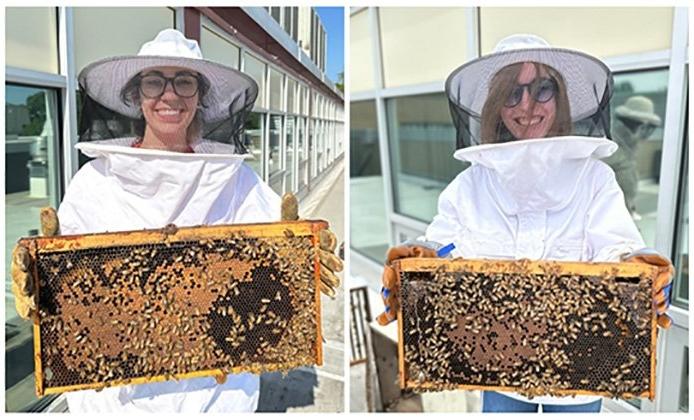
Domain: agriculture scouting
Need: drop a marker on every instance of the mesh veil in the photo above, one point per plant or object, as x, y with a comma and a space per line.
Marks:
98, 122
587, 81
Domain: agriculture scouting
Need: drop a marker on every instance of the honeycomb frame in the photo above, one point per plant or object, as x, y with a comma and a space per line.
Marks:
559, 343
175, 303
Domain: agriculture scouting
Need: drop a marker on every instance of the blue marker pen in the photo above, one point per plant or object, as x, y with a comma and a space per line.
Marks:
445, 251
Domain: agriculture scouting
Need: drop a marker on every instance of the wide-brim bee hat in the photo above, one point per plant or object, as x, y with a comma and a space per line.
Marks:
229, 89
639, 108
222, 111
588, 81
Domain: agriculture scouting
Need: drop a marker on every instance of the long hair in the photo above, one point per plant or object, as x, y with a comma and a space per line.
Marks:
493, 129
130, 95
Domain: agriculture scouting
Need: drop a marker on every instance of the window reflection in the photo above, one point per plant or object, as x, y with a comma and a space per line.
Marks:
253, 139
680, 290
274, 157
275, 90
638, 112
289, 162
30, 183
368, 230
302, 152
422, 142
256, 69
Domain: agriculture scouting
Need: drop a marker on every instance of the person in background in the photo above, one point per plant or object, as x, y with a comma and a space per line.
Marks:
634, 121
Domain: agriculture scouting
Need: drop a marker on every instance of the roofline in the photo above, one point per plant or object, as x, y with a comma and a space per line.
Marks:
257, 30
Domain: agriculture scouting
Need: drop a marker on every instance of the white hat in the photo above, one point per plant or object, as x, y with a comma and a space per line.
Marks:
230, 90
639, 108
588, 80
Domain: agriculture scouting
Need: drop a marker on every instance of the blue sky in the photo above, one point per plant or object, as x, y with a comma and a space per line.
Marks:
333, 21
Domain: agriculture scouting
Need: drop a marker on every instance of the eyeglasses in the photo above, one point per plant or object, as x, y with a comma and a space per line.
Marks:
541, 90
153, 85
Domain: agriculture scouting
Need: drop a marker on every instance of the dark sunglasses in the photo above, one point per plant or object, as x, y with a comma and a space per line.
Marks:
541, 90
153, 85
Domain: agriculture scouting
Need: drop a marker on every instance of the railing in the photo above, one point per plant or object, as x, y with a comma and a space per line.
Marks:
360, 316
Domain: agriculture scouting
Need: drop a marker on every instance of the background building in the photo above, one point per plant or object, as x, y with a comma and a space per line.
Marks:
295, 131
402, 139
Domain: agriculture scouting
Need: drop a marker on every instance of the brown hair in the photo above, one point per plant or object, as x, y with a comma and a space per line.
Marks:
493, 129
130, 95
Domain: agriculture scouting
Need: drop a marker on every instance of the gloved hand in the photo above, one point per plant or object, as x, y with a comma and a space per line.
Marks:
21, 265
390, 292
663, 281
330, 263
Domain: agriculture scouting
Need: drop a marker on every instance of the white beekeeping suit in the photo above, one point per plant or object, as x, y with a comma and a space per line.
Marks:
126, 188
548, 199
534, 191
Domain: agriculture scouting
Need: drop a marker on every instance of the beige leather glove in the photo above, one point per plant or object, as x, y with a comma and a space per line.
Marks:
330, 263
21, 267
662, 284
390, 293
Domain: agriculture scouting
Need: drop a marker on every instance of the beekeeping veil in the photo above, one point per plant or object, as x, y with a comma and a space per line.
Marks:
587, 81
226, 94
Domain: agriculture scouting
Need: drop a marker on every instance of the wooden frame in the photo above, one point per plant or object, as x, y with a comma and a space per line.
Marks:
613, 270
167, 237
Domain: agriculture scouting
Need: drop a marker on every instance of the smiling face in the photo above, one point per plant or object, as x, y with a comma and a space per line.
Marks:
169, 115
529, 119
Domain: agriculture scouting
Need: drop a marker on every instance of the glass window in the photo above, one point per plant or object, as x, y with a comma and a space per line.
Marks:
256, 69
684, 381
110, 31
32, 32
312, 133
302, 151
303, 103
216, 48
320, 144
287, 20
31, 180
275, 13
289, 162
291, 97
275, 157
422, 141
295, 24
640, 138
680, 290
368, 229
253, 139
275, 90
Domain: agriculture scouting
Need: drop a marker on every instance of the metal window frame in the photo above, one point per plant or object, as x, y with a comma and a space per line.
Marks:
266, 112
207, 23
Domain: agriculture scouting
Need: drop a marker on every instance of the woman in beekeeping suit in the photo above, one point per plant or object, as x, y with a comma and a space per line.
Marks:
175, 170
533, 122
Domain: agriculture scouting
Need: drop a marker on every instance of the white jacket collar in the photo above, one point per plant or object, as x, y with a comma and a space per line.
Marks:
537, 174
205, 149
165, 175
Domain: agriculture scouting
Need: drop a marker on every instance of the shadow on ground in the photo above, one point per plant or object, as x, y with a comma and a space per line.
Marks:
278, 393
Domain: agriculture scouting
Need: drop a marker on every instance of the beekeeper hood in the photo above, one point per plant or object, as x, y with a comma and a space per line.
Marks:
534, 115
579, 85
110, 89
148, 188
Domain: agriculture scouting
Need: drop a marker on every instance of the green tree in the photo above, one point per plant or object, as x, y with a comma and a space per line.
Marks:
341, 82
36, 104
